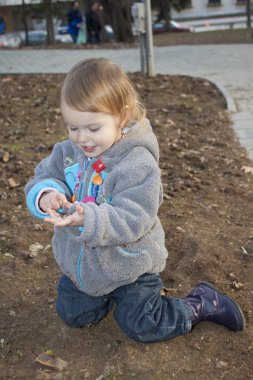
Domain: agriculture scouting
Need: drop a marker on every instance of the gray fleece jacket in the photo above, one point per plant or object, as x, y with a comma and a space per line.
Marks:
122, 237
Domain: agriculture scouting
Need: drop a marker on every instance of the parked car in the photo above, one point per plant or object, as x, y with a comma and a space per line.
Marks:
35, 37
160, 27
39, 37
63, 39
63, 28
10, 40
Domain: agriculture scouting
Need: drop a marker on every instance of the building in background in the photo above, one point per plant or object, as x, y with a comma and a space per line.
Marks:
206, 15
204, 8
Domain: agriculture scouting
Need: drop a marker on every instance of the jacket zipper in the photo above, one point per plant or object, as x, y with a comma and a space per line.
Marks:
87, 164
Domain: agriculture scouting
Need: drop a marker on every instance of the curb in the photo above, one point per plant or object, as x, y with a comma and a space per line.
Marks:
230, 103
239, 122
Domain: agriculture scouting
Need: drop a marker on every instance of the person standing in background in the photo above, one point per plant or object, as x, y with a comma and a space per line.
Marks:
74, 20
2, 25
93, 23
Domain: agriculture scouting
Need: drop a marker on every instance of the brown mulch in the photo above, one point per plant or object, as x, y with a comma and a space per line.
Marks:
207, 217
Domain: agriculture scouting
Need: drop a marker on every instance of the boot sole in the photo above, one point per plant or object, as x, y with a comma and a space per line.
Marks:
242, 328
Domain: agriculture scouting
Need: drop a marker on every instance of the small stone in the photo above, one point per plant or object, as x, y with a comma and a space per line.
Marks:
38, 227
221, 364
116, 343
7, 254
34, 249
232, 276
247, 169
237, 285
14, 219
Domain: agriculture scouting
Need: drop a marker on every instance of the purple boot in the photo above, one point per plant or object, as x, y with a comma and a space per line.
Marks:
209, 304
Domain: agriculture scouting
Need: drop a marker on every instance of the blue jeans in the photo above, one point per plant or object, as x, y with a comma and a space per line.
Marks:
140, 311
74, 37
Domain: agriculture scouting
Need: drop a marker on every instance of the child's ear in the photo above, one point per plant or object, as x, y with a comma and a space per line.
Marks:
124, 117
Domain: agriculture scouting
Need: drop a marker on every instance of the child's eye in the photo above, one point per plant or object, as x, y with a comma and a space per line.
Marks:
95, 129
72, 128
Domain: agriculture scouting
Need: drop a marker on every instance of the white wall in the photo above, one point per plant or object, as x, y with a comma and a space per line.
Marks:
201, 8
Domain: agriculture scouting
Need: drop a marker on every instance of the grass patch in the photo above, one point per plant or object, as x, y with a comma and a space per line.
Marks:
231, 36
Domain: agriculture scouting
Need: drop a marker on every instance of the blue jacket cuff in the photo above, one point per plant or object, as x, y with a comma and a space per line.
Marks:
33, 193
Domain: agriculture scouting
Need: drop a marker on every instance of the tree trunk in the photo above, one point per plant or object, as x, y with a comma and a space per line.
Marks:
165, 12
168, 14
25, 21
50, 25
121, 20
248, 12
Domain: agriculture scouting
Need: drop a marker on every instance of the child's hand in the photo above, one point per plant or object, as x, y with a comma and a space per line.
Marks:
73, 220
53, 200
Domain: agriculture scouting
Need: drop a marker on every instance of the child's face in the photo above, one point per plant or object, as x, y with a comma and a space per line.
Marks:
92, 132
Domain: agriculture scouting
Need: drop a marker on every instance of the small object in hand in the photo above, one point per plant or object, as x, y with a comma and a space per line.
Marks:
62, 211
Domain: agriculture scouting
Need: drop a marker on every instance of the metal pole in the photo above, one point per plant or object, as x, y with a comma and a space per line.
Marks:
142, 53
149, 40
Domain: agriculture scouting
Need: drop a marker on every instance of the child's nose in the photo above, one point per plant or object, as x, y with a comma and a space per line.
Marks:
83, 136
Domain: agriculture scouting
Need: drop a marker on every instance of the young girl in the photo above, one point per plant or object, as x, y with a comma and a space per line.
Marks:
101, 189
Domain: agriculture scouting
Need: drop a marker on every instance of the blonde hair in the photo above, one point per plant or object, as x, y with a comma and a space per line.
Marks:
99, 85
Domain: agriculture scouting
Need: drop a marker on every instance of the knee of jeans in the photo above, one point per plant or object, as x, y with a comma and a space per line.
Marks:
77, 318
134, 327
135, 334
65, 314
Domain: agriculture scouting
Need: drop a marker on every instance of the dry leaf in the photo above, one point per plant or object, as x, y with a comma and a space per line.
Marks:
12, 183
5, 80
6, 156
51, 361
170, 122
247, 169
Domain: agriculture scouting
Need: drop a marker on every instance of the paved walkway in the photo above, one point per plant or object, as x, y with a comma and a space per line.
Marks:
230, 67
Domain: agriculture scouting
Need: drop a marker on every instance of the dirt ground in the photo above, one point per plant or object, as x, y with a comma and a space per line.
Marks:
206, 213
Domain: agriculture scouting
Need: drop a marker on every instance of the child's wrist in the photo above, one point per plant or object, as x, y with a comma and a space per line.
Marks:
41, 197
